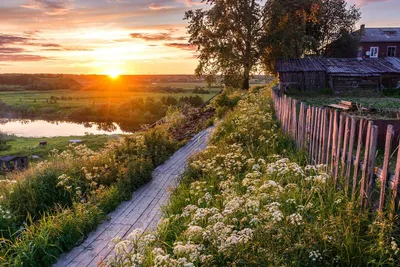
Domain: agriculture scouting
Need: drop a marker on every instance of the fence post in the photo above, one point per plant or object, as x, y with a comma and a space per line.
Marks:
357, 160
330, 131
324, 136
294, 119
345, 147
385, 170
334, 141
311, 151
371, 162
395, 186
350, 153
363, 194
339, 145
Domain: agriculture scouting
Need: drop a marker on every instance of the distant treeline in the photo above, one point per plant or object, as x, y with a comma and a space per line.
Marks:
43, 82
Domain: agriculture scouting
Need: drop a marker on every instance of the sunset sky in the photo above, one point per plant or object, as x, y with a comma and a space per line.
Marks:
108, 36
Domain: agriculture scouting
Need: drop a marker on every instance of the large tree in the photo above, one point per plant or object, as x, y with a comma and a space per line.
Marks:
296, 28
228, 36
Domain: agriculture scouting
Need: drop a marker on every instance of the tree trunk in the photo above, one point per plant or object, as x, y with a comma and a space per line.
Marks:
246, 82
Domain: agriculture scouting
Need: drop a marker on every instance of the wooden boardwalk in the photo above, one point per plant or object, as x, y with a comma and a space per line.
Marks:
142, 211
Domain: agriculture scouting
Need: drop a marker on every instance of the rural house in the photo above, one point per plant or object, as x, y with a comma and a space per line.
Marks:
338, 74
366, 43
379, 42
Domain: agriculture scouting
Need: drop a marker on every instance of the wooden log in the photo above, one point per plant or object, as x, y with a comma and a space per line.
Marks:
371, 165
385, 169
350, 153
357, 159
364, 179
334, 141
345, 146
338, 149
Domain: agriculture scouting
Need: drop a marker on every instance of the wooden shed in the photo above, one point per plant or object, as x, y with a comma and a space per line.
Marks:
338, 74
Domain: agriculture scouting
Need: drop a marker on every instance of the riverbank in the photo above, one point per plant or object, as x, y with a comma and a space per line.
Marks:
26, 146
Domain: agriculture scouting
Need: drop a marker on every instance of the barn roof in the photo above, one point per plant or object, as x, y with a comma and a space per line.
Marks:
342, 66
380, 35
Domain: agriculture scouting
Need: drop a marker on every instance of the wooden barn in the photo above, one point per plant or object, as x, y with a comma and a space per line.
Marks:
338, 74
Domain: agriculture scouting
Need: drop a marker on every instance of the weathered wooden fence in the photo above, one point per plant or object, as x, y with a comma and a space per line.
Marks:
348, 148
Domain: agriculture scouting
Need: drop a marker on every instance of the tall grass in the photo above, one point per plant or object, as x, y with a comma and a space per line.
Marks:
47, 209
250, 199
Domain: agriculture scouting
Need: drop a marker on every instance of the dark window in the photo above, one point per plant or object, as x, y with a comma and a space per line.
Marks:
391, 51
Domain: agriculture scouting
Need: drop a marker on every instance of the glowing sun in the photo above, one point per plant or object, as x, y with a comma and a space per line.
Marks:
114, 74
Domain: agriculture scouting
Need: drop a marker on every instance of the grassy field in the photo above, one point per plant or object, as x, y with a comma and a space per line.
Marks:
40, 100
30, 146
379, 106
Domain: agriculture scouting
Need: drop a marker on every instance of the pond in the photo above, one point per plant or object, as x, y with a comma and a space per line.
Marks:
43, 128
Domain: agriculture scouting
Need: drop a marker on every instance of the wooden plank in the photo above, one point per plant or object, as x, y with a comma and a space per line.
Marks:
338, 149
321, 135
324, 136
341, 107
334, 141
396, 182
385, 169
364, 176
350, 153
300, 125
345, 147
317, 137
371, 165
329, 144
312, 134
294, 119
357, 159
307, 132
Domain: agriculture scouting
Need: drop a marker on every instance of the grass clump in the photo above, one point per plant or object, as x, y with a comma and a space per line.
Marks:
47, 209
250, 199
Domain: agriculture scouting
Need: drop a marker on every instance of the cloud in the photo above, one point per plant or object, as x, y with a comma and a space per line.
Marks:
366, 2
21, 57
50, 7
190, 3
157, 37
11, 50
155, 6
183, 46
11, 39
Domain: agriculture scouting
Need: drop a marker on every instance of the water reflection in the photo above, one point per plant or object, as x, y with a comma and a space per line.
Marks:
49, 128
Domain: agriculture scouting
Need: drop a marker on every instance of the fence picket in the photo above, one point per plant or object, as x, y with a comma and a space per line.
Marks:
371, 164
385, 170
350, 152
363, 194
345, 146
334, 141
338, 149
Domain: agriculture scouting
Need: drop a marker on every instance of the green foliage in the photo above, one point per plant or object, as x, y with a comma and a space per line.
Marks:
305, 27
47, 209
227, 36
250, 199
